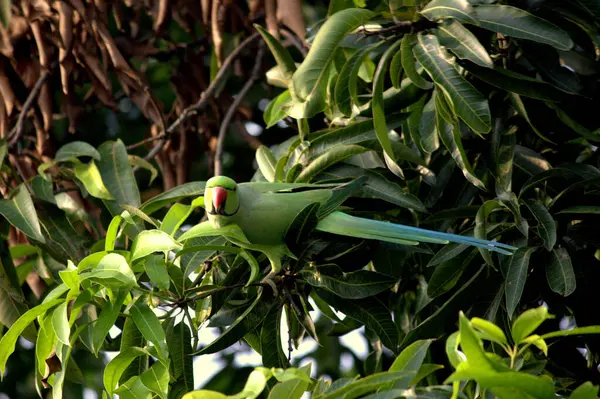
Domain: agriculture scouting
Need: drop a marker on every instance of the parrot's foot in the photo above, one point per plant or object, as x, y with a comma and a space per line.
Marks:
269, 281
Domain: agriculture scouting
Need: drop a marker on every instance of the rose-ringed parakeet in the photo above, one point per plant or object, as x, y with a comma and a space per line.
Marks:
257, 216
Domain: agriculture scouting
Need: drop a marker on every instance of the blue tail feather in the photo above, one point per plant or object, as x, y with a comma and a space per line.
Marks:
344, 224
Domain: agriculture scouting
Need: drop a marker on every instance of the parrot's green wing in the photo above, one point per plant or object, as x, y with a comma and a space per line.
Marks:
352, 226
266, 187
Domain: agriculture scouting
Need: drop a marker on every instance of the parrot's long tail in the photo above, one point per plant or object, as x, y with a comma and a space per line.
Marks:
352, 226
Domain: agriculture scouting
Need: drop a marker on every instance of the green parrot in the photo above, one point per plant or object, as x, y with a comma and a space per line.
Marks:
257, 216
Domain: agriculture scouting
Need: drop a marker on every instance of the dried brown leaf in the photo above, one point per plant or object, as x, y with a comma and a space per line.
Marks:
8, 95
217, 29
254, 6
4, 128
206, 11
289, 13
162, 14
93, 64
271, 17
45, 103
65, 27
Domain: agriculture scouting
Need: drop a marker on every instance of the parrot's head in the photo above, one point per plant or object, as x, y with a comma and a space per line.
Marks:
221, 198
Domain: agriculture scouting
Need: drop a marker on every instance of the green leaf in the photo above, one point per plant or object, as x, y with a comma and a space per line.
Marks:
379, 187
489, 331
156, 269
528, 322
521, 110
266, 162
379, 118
112, 271
179, 341
19, 212
284, 60
156, 379
5, 16
536, 341
481, 226
444, 318
205, 229
60, 323
108, 317
514, 82
192, 189
585, 391
346, 86
176, 215
408, 61
42, 189
515, 278
353, 285
76, 149
574, 331
371, 383
150, 241
454, 36
546, 225
204, 394
149, 325
361, 133
520, 24
411, 358
132, 212
446, 275
117, 366
451, 138
333, 156
560, 274
132, 337
45, 343
581, 209
133, 389
275, 110
12, 300
8, 341
292, 389
472, 345
118, 177
396, 69
234, 332
89, 175
427, 126
140, 162
467, 102
460, 10
270, 340
309, 80
369, 311
537, 387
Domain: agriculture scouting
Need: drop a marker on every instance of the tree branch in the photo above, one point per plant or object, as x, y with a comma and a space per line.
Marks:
233, 108
202, 101
17, 131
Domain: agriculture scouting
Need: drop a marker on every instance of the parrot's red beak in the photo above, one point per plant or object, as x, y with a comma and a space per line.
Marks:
219, 195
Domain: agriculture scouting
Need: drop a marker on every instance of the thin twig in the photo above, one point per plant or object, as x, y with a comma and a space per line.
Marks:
233, 108
203, 100
17, 131
295, 41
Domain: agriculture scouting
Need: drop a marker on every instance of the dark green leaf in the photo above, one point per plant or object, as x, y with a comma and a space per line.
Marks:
76, 149
468, 103
560, 274
520, 24
354, 285
192, 189
515, 278
369, 311
19, 212
454, 36
460, 10
546, 225
408, 61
